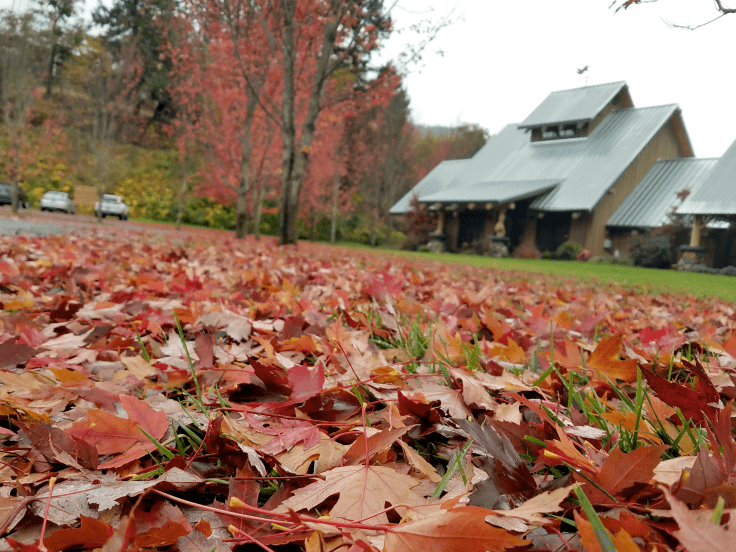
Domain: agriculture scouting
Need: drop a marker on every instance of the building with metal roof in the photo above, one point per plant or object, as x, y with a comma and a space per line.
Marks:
560, 174
654, 205
435, 181
716, 198
656, 197
577, 105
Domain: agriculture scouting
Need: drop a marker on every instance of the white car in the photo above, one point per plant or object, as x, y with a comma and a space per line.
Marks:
113, 206
57, 201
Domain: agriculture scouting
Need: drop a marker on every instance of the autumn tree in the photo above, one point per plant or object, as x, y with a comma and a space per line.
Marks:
141, 25
343, 152
310, 40
348, 32
106, 79
396, 168
21, 62
62, 39
221, 71
379, 142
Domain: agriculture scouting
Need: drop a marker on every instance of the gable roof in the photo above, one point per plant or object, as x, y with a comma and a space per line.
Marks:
573, 106
493, 192
598, 161
717, 194
433, 182
649, 204
583, 169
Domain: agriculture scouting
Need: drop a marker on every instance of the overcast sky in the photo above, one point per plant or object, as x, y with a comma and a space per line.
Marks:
502, 58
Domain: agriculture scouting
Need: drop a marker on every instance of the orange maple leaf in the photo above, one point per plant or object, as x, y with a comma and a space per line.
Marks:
459, 529
606, 361
110, 434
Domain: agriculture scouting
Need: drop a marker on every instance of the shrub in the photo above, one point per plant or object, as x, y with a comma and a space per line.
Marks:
651, 252
419, 223
270, 221
584, 255
610, 259
396, 238
568, 251
526, 250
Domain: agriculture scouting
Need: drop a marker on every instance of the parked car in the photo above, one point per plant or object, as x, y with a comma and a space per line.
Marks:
6, 195
57, 201
112, 205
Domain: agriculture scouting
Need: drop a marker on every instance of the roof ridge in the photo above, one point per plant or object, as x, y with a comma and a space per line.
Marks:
687, 159
621, 82
634, 108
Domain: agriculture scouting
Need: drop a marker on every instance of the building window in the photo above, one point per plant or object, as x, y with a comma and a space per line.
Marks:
550, 133
557, 132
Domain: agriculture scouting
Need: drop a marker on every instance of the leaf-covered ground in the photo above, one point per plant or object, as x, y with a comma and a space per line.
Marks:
185, 394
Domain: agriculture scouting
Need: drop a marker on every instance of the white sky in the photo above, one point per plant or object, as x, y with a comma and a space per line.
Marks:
502, 58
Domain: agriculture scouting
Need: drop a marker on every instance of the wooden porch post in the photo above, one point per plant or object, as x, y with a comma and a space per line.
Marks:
500, 229
696, 231
440, 222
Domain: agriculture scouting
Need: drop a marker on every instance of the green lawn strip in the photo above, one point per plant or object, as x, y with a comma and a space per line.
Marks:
644, 280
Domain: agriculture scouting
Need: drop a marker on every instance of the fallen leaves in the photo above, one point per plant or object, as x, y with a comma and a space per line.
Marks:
111, 434
606, 361
459, 529
364, 493
335, 399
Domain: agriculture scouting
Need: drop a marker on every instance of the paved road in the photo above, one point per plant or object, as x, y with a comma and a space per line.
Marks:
33, 221
17, 226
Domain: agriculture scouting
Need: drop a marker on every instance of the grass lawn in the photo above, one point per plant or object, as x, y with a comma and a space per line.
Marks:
647, 280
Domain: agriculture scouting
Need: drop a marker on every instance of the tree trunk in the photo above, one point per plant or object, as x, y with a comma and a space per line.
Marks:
290, 205
335, 198
246, 149
258, 211
182, 194
241, 204
50, 76
295, 159
291, 186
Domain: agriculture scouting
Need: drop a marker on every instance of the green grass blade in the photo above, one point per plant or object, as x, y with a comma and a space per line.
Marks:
451, 470
162, 449
604, 539
144, 353
189, 358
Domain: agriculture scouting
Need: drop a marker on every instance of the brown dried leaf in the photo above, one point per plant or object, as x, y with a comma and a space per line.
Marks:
544, 503
363, 492
697, 532
462, 529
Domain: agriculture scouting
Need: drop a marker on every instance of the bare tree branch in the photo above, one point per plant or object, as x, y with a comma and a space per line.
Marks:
720, 7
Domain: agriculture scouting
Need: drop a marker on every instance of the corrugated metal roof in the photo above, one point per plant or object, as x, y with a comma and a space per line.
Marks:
585, 167
595, 164
717, 195
494, 192
573, 106
649, 204
436, 180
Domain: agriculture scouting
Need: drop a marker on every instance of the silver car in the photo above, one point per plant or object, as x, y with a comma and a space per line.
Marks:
57, 201
113, 206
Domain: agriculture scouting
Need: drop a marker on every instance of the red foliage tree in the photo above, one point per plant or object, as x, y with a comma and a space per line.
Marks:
218, 106
310, 41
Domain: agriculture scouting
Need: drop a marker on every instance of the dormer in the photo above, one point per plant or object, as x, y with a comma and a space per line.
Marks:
575, 113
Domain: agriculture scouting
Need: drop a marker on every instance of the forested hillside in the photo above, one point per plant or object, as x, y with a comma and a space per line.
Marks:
218, 115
